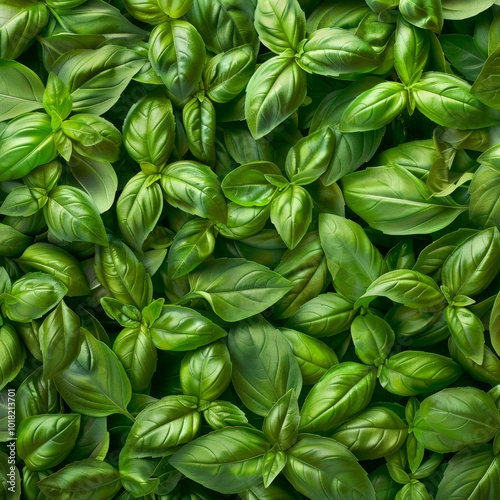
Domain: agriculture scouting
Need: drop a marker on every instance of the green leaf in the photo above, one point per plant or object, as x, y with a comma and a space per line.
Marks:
494, 325
183, 329
72, 215
32, 296
195, 189
275, 91
57, 100
407, 287
175, 8
479, 473
325, 315
274, 461
462, 9
44, 441
413, 490
97, 78
375, 433
86, 478
138, 209
123, 274
264, 368
206, 371
453, 419
375, 107
12, 354
411, 51
177, 54
467, 331
463, 54
237, 288
291, 214
162, 426
447, 100
57, 262
280, 26
314, 357
353, 261
23, 202
192, 244
394, 201
21, 90
281, 424
228, 460
410, 373
473, 264
60, 339
136, 352
484, 190
343, 391
321, 467
248, 184
373, 338
219, 414
26, 142
336, 52
198, 117
95, 384
426, 14
226, 75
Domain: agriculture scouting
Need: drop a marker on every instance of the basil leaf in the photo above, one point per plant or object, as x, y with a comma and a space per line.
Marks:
44, 441
57, 100
275, 91
36, 396
281, 425
23, 202
183, 329
410, 373
72, 215
12, 242
12, 354
375, 433
194, 188
228, 460
473, 264
162, 426
494, 325
480, 470
376, 192
243, 222
485, 88
314, 357
175, 8
264, 368
95, 384
248, 184
219, 414
88, 477
60, 340
325, 315
21, 90
453, 9
467, 332
223, 24
463, 54
280, 26
291, 214
32, 295
192, 244
374, 108
138, 209
426, 14
59, 263
177, 54
446, 100
122, 274
484, 189
353, 261
411, 51
26, 142
373, 338
343, 391
198, 116
321, 467
83, 71
206, 371
237, 288
226, 75
455, 418
336, 52
97, 178
136, 352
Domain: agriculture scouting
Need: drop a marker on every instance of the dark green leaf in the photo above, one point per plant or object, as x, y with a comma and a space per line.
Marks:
281, 424
426, 14
12, 354
485, 88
